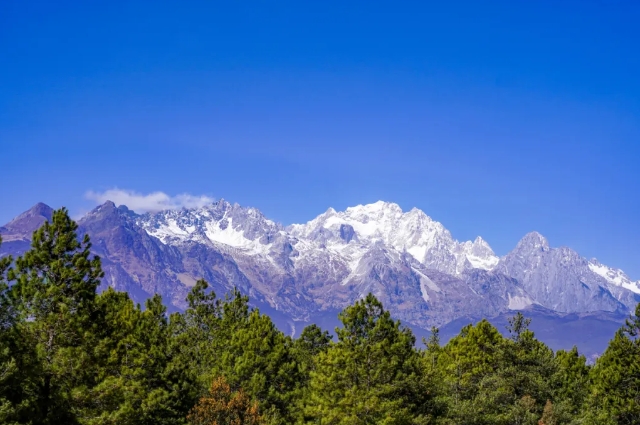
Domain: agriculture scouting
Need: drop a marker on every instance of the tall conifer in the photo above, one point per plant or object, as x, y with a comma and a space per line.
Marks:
55, 288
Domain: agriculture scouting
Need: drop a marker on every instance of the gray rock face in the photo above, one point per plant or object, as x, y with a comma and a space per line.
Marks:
346, 232
409, 261
561, 280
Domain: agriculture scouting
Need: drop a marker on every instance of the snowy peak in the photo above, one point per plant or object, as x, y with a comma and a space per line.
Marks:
219, 223
379, 211
614, 276
410, 261
414, 232
479, 254
349, 247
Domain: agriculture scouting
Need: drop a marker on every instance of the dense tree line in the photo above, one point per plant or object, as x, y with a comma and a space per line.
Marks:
69, 355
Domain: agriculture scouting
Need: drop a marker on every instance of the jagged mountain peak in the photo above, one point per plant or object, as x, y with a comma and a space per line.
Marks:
218, 223
107, 216
413, 232
614, 276
562, 280
411, 261
108, 208
480, 242
533, 241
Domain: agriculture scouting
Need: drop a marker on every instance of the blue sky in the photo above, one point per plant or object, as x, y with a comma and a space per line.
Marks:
495, 118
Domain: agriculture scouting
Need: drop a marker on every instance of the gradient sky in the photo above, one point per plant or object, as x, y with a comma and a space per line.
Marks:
495, 118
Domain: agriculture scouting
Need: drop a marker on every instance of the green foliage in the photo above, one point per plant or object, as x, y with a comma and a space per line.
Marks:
615, 393
54, 292
471, 388
68, 355
489, 379
137, 383
258, 359
18, 369
570, 385
371, 375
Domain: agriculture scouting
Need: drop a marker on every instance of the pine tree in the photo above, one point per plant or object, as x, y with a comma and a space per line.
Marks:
305, 350
8, 361
570, 385
18, 369
197, 333
258, 358
433, 373
55, 288
312, 341
615, 393
371, 375
114, 396
528, 365
138, 378
475, 393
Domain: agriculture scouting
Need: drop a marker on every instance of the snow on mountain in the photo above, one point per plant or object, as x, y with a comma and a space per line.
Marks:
414, 232
340, 240
307, 272
408, 260
220, 223
614, 276
346, 248
479, 254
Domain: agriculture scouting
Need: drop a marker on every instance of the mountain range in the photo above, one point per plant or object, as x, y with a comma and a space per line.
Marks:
304, 273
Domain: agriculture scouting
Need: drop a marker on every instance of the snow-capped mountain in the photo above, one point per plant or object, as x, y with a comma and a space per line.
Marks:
410, 261
614, 276
412, 232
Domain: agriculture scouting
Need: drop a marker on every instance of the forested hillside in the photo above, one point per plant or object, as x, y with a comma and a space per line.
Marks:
69, 355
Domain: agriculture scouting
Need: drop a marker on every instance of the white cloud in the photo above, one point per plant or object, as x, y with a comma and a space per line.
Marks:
156, 201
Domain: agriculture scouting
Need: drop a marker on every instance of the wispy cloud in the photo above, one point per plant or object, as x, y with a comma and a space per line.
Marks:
151, 202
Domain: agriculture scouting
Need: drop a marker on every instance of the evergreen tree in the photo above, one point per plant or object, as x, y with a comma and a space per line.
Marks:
475, 394
312, 341
528, 365
306, 348
18, 368
8, 361
138, 378
615, 392
571, 386
371, 375
114, 397
198, 337
55, 287
258, 359
433, 372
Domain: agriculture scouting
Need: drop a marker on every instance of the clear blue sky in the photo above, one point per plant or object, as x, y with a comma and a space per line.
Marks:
495, 118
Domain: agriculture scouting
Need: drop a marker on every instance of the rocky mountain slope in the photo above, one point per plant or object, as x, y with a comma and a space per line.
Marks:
301, 272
